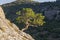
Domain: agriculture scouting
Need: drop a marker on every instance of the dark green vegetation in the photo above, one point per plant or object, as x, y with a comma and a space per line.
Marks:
49, 31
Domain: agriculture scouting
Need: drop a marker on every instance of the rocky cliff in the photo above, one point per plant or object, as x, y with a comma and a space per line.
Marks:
9, 31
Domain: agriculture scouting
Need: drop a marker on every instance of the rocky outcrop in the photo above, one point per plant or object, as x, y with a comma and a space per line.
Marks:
2, 13
9, 31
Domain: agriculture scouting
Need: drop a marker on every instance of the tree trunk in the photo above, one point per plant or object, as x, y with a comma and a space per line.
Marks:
27, 25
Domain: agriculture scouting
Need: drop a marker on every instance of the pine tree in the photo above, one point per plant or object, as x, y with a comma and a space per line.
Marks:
30, 18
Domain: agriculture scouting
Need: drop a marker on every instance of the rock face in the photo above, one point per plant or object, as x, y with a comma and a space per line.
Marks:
9, 31
2, 13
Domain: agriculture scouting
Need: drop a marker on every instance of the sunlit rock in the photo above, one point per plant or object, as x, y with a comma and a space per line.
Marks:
9, 31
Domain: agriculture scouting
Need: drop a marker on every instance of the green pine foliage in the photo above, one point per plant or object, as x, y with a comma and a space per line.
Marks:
28, 13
